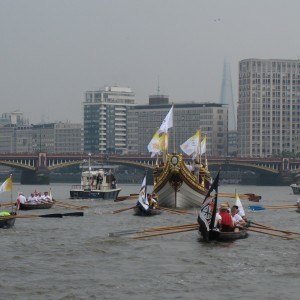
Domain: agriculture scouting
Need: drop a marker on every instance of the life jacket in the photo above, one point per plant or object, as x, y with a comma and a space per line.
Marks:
226, 219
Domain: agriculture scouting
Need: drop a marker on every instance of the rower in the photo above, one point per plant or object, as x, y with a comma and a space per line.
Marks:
152, 201
46, 197
237, 219
226, 222
31, 198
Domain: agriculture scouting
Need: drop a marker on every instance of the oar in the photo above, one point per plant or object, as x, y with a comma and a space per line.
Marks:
256, 207
265, 231
260, 207
165, 233
123, 198
43, 216
7, 204
68, 205
261, 226
123, 209
248, 196
175, 211
151, 229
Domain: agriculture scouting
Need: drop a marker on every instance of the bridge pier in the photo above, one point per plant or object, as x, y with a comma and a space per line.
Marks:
40, 176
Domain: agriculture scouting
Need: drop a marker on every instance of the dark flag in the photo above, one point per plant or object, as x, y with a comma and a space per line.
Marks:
209, 206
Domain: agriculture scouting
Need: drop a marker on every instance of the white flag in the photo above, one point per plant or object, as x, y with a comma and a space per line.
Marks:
191, 146
240, 206
153, 146
143, 200
167, 122
203, 146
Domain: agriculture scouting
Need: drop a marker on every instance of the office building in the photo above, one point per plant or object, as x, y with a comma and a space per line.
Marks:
211, 118
105, 119
268, 107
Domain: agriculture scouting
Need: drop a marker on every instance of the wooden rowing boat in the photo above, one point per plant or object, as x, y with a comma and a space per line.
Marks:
138, 211
30, 206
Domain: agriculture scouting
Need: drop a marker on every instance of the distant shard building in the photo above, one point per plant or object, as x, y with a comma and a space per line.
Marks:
226, 96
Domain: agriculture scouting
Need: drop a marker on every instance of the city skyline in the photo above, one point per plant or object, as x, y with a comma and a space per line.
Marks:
53, 51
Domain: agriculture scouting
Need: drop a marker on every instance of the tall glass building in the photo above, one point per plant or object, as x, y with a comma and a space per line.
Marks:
105, 119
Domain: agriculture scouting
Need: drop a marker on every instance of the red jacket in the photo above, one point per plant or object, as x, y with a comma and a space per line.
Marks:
226, 218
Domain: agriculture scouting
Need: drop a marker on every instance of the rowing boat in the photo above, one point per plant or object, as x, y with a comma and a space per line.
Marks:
139, 211
30, 206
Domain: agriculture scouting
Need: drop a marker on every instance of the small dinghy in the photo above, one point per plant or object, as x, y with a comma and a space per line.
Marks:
140, 211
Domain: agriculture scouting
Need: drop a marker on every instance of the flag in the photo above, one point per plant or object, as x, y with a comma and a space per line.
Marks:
143, 201
208, 208
239, 204
6, 186
191, 146
167, 122
203, 146
154, 145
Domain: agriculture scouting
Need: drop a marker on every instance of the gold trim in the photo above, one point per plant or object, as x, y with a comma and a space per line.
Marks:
171, 172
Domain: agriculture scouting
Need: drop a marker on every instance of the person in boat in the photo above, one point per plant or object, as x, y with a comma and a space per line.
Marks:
113, 181
39, 197
298, 202
227, 223
99, 181
21, 198
31, 199
46, 197
239, 222
152, 201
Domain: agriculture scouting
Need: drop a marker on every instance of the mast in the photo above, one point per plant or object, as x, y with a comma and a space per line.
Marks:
90, 183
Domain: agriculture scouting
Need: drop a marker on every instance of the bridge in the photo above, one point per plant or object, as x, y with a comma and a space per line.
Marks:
40, 164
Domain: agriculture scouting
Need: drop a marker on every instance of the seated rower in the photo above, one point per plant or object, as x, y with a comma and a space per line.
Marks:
48, 197
31, 199
39, 197
227, 223
239, 222
152, 201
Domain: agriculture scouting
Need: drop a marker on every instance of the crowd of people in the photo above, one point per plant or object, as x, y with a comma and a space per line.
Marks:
230, 219
35, 198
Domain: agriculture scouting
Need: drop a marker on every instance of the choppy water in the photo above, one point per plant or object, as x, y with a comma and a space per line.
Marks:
74, 258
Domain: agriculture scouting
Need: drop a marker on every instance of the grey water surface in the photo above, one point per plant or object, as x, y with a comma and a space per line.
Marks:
75, 258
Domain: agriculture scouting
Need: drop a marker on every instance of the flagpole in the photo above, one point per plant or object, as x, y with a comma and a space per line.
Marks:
199, 155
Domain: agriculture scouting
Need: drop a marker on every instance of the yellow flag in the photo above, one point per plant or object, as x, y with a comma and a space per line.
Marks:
6, 186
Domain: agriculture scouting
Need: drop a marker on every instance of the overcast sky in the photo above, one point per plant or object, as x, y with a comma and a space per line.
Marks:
52, 51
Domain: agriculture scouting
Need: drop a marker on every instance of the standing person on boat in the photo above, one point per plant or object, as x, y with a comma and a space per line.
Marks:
227, 223
21, 198
298, 202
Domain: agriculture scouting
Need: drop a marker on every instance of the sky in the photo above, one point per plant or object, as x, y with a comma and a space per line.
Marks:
53, 51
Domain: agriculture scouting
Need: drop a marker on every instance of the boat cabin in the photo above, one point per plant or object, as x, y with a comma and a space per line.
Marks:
98, 180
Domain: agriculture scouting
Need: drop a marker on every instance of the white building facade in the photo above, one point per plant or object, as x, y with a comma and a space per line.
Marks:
105, 119
269, 107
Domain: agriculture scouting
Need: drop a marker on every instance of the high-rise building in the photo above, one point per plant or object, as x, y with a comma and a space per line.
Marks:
105, 119
269, 107
226, 96
211, 118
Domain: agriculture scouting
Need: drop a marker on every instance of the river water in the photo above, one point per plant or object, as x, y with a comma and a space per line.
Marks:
74, 258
